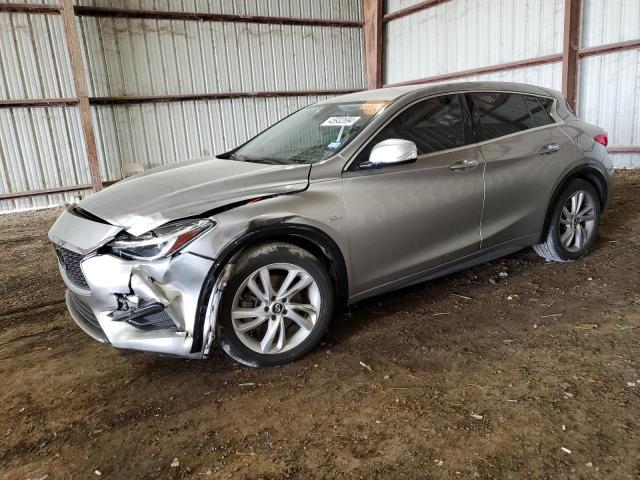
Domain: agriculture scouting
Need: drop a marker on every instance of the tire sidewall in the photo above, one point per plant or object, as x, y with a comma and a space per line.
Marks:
573, 187
227, 337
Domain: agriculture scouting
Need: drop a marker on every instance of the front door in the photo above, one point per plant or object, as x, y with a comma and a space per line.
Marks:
405, 219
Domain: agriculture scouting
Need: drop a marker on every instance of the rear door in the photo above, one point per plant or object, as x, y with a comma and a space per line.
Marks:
405, 219
523, 148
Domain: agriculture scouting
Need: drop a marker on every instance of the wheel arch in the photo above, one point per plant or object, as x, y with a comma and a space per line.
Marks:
585, 172
310, 238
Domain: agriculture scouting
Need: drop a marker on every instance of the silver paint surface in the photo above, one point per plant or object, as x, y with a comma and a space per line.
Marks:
153, 198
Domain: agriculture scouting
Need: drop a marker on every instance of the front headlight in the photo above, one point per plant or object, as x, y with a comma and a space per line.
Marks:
161, 242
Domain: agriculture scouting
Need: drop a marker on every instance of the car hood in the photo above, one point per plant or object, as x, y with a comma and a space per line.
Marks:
153, 198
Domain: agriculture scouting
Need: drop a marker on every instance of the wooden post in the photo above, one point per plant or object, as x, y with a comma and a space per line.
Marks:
77, 66
571, 45
373, 13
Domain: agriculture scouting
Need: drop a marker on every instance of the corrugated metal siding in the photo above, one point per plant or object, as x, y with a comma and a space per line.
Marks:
610, 97
610, 84
40, 148
150, 57
157, 134
626, 160
43, 2
549, 76
610, 21
323, 9
395, 5
33, 58
466, 34
44, 147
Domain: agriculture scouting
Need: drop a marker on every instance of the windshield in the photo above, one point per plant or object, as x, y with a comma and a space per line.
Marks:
309, 135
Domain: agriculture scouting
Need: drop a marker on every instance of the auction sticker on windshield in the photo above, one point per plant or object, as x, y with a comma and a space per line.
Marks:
340, 121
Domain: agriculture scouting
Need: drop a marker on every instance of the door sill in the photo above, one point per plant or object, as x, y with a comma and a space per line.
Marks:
473, 259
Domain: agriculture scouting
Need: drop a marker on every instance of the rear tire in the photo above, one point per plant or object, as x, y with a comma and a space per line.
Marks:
573, 225
276, 307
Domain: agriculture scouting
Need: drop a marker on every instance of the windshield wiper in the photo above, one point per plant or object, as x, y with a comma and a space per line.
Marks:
266, 161
308, 155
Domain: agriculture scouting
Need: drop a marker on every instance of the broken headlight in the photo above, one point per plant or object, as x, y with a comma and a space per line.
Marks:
160, 242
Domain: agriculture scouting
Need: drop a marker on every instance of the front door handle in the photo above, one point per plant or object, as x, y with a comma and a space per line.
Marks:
463, 165
549, 149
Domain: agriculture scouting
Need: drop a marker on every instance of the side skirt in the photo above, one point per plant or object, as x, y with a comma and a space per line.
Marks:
478, 258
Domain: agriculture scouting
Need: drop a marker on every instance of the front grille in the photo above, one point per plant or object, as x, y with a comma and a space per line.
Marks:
154, 321
70, 262
160, 320
84, 317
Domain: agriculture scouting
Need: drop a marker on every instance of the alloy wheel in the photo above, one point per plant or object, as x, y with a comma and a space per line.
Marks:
577, 221
276, 308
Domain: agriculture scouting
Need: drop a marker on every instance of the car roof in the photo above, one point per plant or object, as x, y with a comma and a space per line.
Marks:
418, 90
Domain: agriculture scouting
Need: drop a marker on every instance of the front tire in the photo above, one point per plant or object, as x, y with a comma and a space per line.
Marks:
276, 307
573, 225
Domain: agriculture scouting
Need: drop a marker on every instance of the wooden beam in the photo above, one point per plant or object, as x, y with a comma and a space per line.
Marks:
44, 191
531, 62
210, 17
623, 149
373, 11
412, 9
212, 96
571, 45
80, 82
609, 48
28, 8
38, 102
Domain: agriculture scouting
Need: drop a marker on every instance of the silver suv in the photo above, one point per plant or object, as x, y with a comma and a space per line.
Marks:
340, 201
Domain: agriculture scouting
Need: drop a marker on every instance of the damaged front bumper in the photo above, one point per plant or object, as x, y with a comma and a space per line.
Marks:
151, 306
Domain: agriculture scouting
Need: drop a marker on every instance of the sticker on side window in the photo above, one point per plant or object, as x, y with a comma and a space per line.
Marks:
340, 121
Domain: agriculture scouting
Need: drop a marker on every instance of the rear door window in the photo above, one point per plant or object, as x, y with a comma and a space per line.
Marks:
499, 114
539, 115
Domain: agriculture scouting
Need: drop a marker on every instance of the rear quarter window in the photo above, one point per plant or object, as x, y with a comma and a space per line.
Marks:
500, 114
540, 116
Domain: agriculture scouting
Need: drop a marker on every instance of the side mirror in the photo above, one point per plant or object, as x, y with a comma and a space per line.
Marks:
391, 152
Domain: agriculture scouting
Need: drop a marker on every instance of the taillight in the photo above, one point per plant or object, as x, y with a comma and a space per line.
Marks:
602, 139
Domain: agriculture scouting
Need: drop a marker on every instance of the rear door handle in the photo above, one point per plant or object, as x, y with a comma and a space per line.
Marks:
549, 149
463, 165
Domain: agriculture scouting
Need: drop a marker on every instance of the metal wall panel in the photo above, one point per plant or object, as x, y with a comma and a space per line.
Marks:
37, 2
322, 9
610, 21
610, 85
610, 97
152, 57
162, 133
33, 58
391, 6
549, 76
44, 147
40, 148
465, 34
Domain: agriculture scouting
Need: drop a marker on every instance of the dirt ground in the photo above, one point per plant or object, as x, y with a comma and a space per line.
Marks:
477, 375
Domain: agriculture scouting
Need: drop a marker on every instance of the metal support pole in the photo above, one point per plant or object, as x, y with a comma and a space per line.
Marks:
571, 45
373, 13
80, 81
